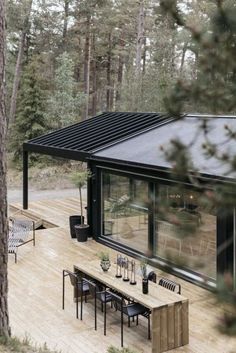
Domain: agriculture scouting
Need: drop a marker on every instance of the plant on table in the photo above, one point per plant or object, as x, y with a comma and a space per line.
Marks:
143, 268
105, 260
104, 256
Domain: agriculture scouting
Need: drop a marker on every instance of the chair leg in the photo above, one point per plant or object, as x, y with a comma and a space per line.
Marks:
63, 289
95, 312
149, 329
137, 320
33, 234
128, 321
15, 257
122, 329
81, 300
105, 317
77, 309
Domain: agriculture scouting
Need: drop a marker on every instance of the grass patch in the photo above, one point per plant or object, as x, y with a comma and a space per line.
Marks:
15, 345
113, 349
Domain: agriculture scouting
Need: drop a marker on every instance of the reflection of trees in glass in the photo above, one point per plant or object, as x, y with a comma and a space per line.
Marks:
185, 230
211, 91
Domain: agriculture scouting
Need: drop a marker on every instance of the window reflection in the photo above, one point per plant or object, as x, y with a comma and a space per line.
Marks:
125, 210
184, 225
186, 230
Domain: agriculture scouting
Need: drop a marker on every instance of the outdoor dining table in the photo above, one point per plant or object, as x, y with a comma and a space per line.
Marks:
169, 310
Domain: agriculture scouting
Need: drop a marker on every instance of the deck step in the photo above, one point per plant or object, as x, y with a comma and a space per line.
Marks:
26, 214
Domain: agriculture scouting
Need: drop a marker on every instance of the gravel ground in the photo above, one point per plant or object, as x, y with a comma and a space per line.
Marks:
15, 195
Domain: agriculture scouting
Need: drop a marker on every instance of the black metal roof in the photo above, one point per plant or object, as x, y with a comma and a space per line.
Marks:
146, 150
82, 139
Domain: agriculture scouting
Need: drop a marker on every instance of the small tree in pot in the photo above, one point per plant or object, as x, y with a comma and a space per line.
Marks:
80, 179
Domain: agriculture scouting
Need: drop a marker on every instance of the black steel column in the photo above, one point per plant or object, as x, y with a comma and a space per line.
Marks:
89, 199
151, 217
25, 180
225, 241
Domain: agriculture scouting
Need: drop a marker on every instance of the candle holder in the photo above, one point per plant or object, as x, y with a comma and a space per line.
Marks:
126, 269
118, 266
132, 275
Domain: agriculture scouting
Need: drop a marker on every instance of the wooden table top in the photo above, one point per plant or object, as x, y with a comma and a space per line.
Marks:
157, 296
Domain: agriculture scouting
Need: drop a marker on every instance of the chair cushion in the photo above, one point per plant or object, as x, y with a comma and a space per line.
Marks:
135, 309
101, 296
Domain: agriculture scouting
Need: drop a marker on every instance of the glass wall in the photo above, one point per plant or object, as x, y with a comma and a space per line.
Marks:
183, 224
185, 230
125, 210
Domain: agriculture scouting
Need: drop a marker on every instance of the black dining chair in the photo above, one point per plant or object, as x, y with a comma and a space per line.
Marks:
97, 292
169, 284
75, 280
131, 310
152, 277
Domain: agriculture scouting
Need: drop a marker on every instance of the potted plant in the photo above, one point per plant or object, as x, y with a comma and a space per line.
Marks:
81, 229
105, 261
143, 268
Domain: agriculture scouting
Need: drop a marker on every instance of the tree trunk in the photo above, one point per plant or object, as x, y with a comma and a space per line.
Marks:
140, 37
120, 69
65, 23
183, 56
4, 318
94, 77
18, 67
144, 55
81, 206
109, 74
87, 49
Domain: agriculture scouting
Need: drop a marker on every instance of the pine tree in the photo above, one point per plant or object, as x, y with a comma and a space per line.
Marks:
211, 91
65, 103
30, 117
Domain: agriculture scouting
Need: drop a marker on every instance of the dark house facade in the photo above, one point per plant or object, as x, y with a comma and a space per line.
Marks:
135, 202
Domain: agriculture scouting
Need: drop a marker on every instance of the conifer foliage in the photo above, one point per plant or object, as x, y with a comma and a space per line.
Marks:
213, 90
30, 117
65, 102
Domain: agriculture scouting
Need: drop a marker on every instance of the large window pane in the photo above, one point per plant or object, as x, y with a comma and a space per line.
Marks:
186, 230
125, 210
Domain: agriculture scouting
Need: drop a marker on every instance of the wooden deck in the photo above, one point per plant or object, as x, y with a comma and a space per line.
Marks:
35, 295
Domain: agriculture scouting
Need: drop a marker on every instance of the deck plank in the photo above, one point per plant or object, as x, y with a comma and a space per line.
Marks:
35, 286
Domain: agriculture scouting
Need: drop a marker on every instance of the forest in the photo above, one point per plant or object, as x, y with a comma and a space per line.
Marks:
68, 60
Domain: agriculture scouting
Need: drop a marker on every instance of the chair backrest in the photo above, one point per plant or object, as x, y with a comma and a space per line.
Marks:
19, 229
152, 277
171, 285
73, 278
93, 288
119, 301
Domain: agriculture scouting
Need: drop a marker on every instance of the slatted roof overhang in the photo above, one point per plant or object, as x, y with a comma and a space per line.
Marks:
79, 141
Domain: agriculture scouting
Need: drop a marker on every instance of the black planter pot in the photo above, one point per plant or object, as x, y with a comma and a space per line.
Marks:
145, 285
73, 220
82, 232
